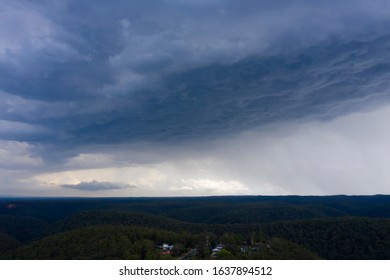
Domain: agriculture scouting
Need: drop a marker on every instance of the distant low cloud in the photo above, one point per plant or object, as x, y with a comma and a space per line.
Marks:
206, 186
97, 186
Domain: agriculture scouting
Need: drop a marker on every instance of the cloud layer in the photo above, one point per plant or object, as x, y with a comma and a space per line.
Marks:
199, 97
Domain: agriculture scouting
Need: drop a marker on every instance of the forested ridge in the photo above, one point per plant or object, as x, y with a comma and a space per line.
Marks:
232, 227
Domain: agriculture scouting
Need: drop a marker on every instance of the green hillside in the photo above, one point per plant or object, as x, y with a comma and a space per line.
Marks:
253, 227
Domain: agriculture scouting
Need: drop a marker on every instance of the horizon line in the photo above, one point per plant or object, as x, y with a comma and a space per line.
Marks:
199, 196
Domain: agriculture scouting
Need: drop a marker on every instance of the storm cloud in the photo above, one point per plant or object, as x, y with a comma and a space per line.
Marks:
194, 97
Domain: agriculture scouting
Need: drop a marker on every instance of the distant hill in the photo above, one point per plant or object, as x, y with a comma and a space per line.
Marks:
120, 218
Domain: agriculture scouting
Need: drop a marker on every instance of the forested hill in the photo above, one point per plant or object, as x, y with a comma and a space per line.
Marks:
249, 227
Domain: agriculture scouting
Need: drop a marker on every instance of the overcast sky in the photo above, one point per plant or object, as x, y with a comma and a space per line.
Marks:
196, 97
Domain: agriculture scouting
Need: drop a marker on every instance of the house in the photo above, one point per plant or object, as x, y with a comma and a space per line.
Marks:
166, 249
216, 250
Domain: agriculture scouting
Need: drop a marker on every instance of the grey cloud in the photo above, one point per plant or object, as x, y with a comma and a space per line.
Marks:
18, 156
320, 82
98, 186
87, 48
81, 76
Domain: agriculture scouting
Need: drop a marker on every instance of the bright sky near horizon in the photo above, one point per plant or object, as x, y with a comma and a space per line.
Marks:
184, 98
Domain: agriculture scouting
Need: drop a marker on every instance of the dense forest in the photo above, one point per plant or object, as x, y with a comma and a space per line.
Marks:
231, 227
